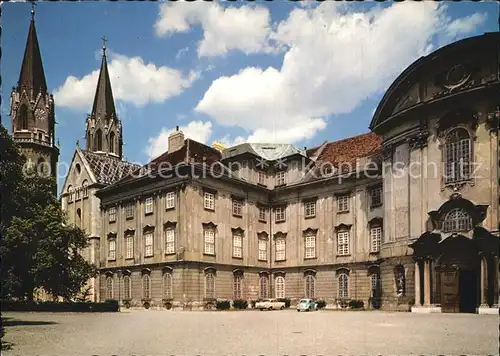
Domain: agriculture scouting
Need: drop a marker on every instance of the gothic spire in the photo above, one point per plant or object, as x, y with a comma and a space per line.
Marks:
104, 105
32, 75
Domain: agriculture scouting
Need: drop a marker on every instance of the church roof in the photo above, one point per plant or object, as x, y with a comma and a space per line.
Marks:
268, 151
108, 169
104, 104
32, 75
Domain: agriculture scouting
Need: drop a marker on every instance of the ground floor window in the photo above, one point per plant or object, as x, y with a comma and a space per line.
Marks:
237, 290
343, 280
309, 286
109, 287
209, 285
263, 287
146, 286
127, 287
167, 286
280, 287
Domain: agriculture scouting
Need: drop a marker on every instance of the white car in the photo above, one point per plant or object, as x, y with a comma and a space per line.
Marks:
306, 305
270, 304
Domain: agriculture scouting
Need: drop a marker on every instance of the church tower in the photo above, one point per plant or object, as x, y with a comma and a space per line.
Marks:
104, 129
32, 110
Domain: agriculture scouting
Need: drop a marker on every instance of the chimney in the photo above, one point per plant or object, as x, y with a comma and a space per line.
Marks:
175, 140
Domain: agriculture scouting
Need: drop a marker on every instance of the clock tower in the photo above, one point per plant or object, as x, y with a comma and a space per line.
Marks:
32, 110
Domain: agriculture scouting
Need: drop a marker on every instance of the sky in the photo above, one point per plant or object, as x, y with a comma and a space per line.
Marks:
285, 72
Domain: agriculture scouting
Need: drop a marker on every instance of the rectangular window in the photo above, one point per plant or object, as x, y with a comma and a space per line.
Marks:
280, 178
279, 214
112, 250
237, 207
262, 250
209, 239
148, 244
129, 211
170, 200
310, 209
169, 241
343, 243
237, 246
310, 245
209, 201
262, 177
375, 197
148, 206
262, 213
280, 249
343, 203
129, 245
376, 238
112, 214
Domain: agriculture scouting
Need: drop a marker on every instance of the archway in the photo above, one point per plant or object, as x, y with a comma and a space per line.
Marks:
458, 273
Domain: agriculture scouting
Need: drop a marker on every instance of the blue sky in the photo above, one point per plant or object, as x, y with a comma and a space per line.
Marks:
280, 71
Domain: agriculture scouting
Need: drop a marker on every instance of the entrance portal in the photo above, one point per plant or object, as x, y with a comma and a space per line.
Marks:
468, 291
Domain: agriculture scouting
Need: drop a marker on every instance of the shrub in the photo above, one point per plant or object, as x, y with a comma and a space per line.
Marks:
223, 305
356, 304
287, 301
321, 304
240, 304
61, 307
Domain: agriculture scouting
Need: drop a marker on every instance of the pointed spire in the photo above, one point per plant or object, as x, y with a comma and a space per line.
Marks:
104, 104
32, 75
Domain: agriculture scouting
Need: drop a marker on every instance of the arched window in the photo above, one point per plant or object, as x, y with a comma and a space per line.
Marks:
167, 285
210, 285
343, 291
112, 142
23, 117
237, 286
79, 217
263, 287
127, 288
109, 287
457, 155
85, 190
457, 220
399, 273
146, 286
309, 286
280, 287
98, 140
375, 284
70, 194
41, 166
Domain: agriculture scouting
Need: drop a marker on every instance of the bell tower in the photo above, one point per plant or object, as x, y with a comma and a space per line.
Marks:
32, 110
104, 129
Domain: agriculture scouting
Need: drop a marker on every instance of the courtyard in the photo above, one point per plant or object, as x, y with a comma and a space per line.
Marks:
141, 332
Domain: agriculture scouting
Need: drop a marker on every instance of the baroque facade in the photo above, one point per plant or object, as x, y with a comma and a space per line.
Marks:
404, 217
32, 110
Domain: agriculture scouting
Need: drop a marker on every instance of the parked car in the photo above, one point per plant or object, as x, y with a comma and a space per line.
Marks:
270, 304
307, 305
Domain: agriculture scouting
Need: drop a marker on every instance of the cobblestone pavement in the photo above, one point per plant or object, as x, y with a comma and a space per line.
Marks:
250, 333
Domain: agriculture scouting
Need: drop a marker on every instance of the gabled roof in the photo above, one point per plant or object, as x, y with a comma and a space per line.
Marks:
104, 104
108, 169
32, 75
267, 151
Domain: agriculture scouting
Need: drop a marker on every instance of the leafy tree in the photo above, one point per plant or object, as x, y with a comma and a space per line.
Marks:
38, 249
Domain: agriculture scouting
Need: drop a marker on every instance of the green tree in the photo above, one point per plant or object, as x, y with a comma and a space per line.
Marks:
38, 249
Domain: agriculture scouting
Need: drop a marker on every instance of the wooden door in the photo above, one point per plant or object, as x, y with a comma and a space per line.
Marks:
450, 296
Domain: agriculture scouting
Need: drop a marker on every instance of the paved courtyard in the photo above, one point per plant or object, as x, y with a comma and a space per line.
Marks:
250, 333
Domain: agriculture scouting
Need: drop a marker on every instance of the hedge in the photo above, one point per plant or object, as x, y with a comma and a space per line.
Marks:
62, 307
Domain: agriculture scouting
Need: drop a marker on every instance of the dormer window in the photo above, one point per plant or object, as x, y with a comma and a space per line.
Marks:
280, 178
457, 220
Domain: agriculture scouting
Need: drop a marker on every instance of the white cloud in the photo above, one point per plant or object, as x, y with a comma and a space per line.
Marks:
245, 28
197, 130
465, 25
132, 80
335, 60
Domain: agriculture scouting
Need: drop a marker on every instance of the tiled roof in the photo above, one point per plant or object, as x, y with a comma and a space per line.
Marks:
108, 169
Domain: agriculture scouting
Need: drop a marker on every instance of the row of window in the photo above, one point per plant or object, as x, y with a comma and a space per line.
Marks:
78, 193
169, 238
238, 293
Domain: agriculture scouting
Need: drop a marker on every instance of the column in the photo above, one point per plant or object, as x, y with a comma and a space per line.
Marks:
495, 282
484, 281
418, 302
427, 283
